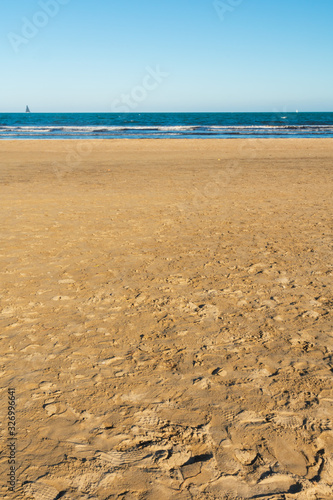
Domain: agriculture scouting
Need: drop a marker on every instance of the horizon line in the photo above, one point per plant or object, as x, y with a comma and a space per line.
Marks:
158, 112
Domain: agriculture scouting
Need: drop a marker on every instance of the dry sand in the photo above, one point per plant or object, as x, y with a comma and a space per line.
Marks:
166, 318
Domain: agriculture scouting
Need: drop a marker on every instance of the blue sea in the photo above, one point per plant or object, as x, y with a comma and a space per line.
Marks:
164, 125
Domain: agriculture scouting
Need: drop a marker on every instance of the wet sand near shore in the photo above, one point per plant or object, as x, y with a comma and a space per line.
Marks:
166, 319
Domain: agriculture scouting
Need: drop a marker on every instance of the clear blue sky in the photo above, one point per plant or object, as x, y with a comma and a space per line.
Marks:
262, 55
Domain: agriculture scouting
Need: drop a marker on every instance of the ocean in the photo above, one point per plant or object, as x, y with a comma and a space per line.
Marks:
164, 125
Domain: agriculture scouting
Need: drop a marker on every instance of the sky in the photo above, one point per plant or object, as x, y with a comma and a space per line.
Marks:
166, 55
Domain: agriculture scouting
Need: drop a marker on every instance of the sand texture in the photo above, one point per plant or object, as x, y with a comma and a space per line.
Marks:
166, 318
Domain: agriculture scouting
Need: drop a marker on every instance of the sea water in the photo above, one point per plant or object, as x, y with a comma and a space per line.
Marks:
164, 125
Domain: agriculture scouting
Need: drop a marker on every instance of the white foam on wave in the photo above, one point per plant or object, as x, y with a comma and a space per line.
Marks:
128, 130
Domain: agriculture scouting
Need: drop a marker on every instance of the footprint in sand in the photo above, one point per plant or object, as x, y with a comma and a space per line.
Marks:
288, 420
66, 282
208, 312
40, 491
290, 458
123, 458
147, 420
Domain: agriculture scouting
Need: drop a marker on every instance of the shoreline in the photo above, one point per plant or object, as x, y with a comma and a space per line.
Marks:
268, 137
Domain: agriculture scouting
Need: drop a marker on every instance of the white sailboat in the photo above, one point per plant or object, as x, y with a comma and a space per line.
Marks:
27, 110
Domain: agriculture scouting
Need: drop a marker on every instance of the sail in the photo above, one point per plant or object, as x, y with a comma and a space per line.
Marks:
27, 110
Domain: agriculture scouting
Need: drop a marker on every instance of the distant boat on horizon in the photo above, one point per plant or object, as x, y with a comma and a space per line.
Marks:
27, 110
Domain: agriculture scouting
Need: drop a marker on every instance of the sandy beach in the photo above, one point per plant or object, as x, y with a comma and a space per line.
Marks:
166, 319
